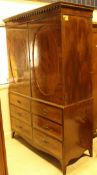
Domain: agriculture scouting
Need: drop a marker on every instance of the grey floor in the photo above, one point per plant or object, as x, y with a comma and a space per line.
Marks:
24, 160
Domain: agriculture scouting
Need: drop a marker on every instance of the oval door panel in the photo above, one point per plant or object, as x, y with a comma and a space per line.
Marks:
46, 59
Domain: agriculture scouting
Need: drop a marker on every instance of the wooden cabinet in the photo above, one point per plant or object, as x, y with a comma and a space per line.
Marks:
51, 102
3, 164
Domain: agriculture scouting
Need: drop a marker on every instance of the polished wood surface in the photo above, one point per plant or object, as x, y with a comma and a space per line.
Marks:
19, 73
20, 101
78, 123
59, 101
77, 59
21, 128
47, 143
48, 61
48, 127
94, 76
20, 114
47, 111
3, 163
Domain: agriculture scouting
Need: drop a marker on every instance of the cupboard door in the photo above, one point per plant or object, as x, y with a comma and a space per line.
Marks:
45, 42
3, 164
18, 53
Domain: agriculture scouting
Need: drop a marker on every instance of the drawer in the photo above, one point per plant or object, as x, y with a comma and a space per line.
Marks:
50, 112
20, 101
21, 128
47, 143
48, 127
20, 114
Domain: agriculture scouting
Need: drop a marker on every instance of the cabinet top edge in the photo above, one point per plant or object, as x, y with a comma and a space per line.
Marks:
54, 8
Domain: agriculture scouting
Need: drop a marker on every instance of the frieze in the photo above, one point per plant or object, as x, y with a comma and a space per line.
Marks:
48, 9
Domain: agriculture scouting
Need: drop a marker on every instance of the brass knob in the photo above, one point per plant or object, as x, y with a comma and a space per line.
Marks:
45, 112
46, 127
18, 101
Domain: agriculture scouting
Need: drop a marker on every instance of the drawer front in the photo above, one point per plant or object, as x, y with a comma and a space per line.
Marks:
20, 101
21, 128
52, 113
47, 143
48, 127
20, 114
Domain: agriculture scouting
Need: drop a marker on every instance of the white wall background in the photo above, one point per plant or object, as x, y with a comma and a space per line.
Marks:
9, 8
95, 16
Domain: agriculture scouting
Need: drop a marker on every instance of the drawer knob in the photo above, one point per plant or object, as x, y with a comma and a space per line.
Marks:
18, 114
45, 112
45, 141
20, 127
46, 127
18, 101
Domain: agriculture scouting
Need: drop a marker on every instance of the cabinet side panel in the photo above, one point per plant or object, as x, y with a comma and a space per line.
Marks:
76, 50
77, 129
94, 76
